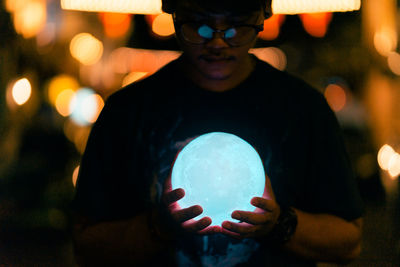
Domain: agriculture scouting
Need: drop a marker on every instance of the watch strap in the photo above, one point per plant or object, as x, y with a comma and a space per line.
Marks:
285, 226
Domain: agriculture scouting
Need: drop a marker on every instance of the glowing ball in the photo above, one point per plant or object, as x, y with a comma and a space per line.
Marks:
220, 172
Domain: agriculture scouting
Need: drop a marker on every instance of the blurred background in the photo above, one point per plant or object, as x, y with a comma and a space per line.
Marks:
57, 67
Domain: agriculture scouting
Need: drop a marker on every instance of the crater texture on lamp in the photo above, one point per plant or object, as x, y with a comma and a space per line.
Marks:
220, 172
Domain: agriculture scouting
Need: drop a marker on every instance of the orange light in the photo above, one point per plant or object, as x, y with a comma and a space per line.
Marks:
125, 60
120, 6
394, 62
75, 176
163, 25
385, 41
87, 49
63, 102
312, 6
335, 96
272, 55
30, 18
133, 77
316, 24
272, 27
60, 83
115, 24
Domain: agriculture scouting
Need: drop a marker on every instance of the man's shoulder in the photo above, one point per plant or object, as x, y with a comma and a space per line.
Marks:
286, 85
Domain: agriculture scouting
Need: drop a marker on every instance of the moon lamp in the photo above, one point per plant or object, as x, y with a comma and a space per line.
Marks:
220, 172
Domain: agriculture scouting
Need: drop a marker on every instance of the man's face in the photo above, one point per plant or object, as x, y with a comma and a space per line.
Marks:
216, 59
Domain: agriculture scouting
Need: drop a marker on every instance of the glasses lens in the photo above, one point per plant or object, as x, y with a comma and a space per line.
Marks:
205, 32
194, 33
241, 35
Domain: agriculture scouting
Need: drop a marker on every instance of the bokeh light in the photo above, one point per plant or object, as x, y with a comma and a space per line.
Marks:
29, 16
394, 166
125, 60
120, 6
115, 24
63, 102
163, 25
13, 5
133, 77
77, 134
313, 6
335, 96
394, 62
272, 55
86, 48
75, 175
272, 27
385, 41
86, 106
60, 83
386, 152
316, 24
21, 91
46, 36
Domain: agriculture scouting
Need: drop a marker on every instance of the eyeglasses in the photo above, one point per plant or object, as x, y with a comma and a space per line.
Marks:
200, 33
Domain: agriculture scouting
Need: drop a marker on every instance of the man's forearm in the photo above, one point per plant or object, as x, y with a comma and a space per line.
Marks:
121, 242
323, 237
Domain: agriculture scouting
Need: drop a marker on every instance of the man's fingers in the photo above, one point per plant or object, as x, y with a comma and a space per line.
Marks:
186, 214
196, 226
250, 217
210, 230
173, 196
240, 228
263, 203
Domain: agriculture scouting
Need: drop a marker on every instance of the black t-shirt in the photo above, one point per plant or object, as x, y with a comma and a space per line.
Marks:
134, 142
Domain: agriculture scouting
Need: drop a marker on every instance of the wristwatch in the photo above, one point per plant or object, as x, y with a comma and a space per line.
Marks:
285, 226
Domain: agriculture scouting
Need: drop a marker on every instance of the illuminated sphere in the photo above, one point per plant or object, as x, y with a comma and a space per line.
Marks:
220, 172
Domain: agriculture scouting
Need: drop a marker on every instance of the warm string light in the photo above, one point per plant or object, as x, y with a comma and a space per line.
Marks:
314, 6
120, 6
154, 6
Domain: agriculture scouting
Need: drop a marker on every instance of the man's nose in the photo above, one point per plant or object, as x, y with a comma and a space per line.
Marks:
217, 41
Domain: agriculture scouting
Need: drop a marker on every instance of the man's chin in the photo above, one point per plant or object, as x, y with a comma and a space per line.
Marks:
217, 76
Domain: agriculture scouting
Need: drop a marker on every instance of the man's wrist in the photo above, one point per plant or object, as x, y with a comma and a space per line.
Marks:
285, 226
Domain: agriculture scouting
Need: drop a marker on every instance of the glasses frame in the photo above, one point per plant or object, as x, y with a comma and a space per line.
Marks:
179, 23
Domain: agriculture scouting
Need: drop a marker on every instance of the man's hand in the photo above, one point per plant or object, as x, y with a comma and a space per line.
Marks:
184, 217
257, 224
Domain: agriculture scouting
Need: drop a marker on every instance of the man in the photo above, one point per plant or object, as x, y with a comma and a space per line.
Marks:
127, 213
